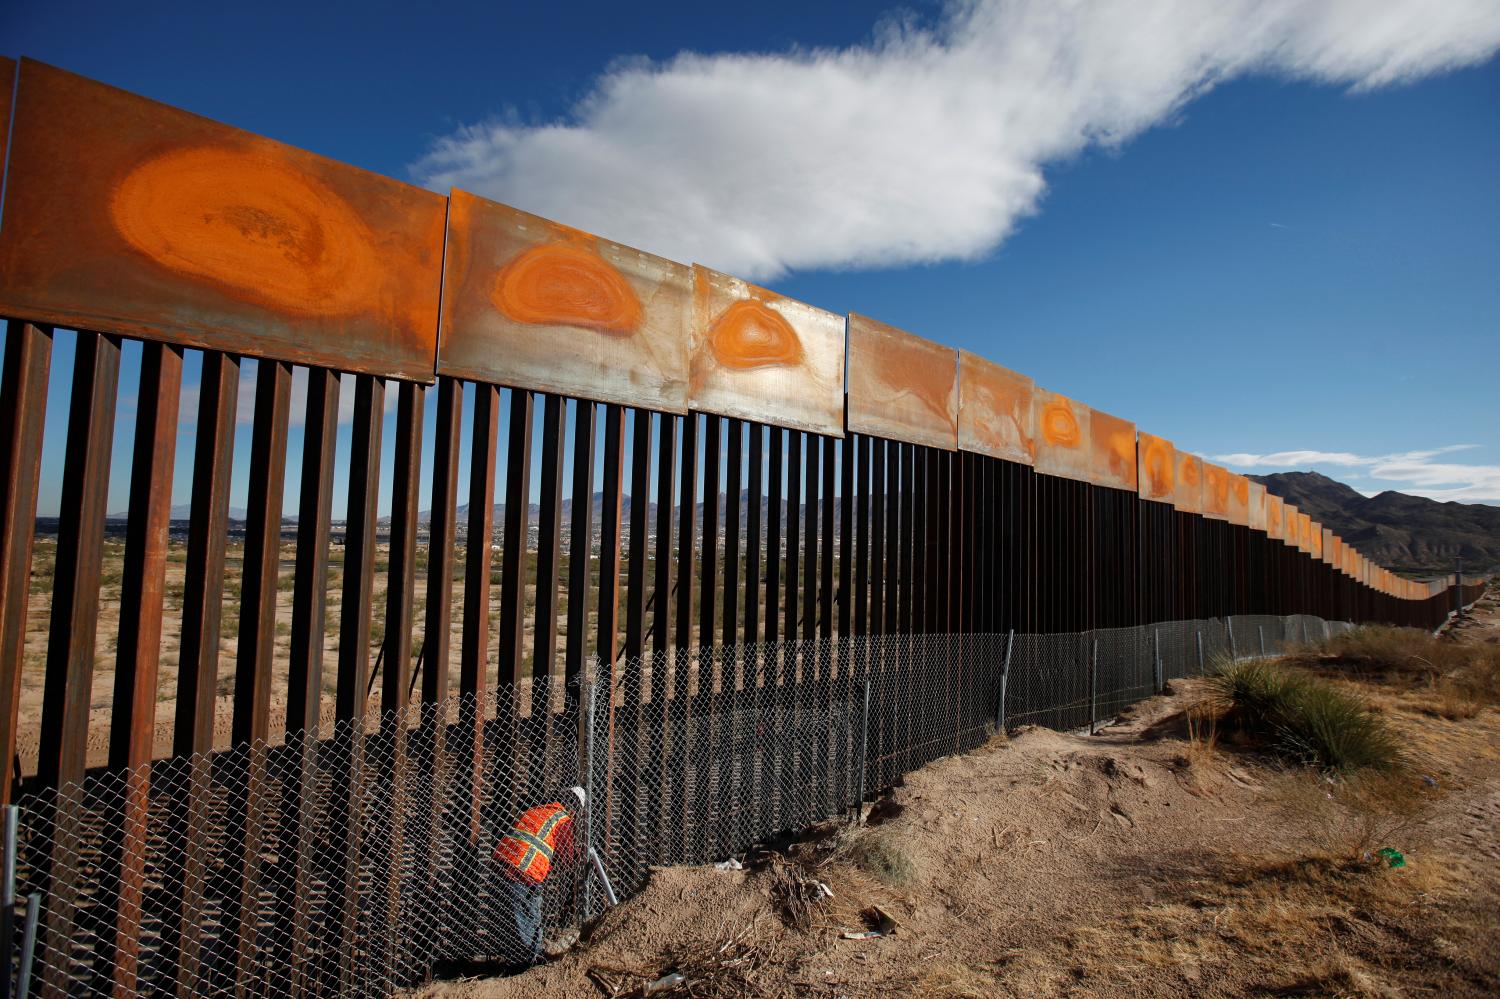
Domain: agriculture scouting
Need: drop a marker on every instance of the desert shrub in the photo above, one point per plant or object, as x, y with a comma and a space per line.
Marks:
881, 856
1303, 717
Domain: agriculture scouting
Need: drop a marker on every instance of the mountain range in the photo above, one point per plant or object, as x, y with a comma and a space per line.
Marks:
1403, 533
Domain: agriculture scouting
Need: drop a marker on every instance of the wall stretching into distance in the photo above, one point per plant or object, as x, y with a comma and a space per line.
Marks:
793, 474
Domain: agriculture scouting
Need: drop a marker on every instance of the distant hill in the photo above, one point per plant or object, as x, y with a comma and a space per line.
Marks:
1403, 533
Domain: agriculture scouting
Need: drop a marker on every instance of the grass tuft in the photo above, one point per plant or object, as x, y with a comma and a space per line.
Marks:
1304, 718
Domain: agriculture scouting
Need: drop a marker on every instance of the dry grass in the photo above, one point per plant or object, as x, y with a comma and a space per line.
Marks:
1459, 680
1347, 820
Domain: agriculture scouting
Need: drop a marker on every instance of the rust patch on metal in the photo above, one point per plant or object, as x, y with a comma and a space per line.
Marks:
1256, 506
1114, 451
1215, 491
1238, 510
128, 216
1289, 527
901, 386
1304, 532
995, 414
1188, 496
559, 285
759, 356
1063, 435
1275, 518
1156, 467
537, 305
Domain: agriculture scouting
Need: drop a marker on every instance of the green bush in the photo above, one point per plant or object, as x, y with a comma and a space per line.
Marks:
1304, 718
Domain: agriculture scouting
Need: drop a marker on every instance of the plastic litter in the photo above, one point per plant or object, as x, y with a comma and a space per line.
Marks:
1391, 856
663, 983
880, 923
729, 865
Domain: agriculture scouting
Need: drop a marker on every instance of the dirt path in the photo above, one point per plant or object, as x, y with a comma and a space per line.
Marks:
1136, 862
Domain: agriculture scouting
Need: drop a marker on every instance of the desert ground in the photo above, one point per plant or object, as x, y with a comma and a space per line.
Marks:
1167, 855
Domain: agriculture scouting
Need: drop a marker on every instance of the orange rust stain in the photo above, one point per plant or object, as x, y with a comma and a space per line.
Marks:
1122, 455
750, 334
249, 223
1216, 491
1159, 472
557, 284
1241, 490
1190, 472
1059, 425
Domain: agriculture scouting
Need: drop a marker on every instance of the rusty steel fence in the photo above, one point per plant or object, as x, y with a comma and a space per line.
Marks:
287, 448
364, 866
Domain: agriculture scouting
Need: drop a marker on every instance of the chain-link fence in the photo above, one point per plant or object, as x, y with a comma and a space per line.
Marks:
362, 861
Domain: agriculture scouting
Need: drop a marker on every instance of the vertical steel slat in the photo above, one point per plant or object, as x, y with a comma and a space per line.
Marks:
548, 571
198, 662
581, 539
810, 516
437, 645
310, 587
549, 546
354, 670
876, 487
640, 521
255, 656
400, 618
401, 583
474, 639
23, 414
661, 621
771, 661
708, 606
793, 547
517, 525
826, 593
755, 493
634, 818
851, 596
686, 578
142, 591
607, 642
63, 753
732, 489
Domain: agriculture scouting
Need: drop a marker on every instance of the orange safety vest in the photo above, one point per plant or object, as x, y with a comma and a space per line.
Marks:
529, 846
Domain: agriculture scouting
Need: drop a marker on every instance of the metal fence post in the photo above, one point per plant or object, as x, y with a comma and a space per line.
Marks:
1010, 642
1260, 631
864, 749
1234, 653
1200, 651
8, 898
1161, 680
1304, 631
1094, 687
1325, 631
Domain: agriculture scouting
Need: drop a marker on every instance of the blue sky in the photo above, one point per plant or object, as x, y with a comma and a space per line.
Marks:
1289, 258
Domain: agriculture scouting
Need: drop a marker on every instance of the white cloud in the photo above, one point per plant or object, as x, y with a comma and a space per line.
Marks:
1413, 472
928, 143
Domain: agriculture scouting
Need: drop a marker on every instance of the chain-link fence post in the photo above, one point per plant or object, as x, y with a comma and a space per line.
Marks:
1325, 631
1234, 653
1260, 631
1200, 651
864, 749
1010, 644
1304, 631
8, 897
1094, 687
1161, 681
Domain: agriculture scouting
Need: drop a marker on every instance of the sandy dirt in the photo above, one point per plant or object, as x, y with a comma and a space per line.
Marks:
1156, 858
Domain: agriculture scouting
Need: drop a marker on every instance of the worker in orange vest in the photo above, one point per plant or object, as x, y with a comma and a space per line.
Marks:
543, 839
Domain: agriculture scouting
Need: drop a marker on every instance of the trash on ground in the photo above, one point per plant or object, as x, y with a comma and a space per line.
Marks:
1392, 857
729, 865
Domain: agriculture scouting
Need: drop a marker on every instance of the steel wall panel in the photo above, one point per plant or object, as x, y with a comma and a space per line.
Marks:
996, 414
756, 355
1215, 491
128, 216
1289, 527
1156, 467
1275, 517
1063, 437
1255, 506
901, 386
1239, 500
1315, 540
1304, 533
1188, 495
1114, 451
537, 305
1326, 550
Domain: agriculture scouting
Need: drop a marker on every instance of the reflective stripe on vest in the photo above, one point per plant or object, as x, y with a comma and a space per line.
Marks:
530, 846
